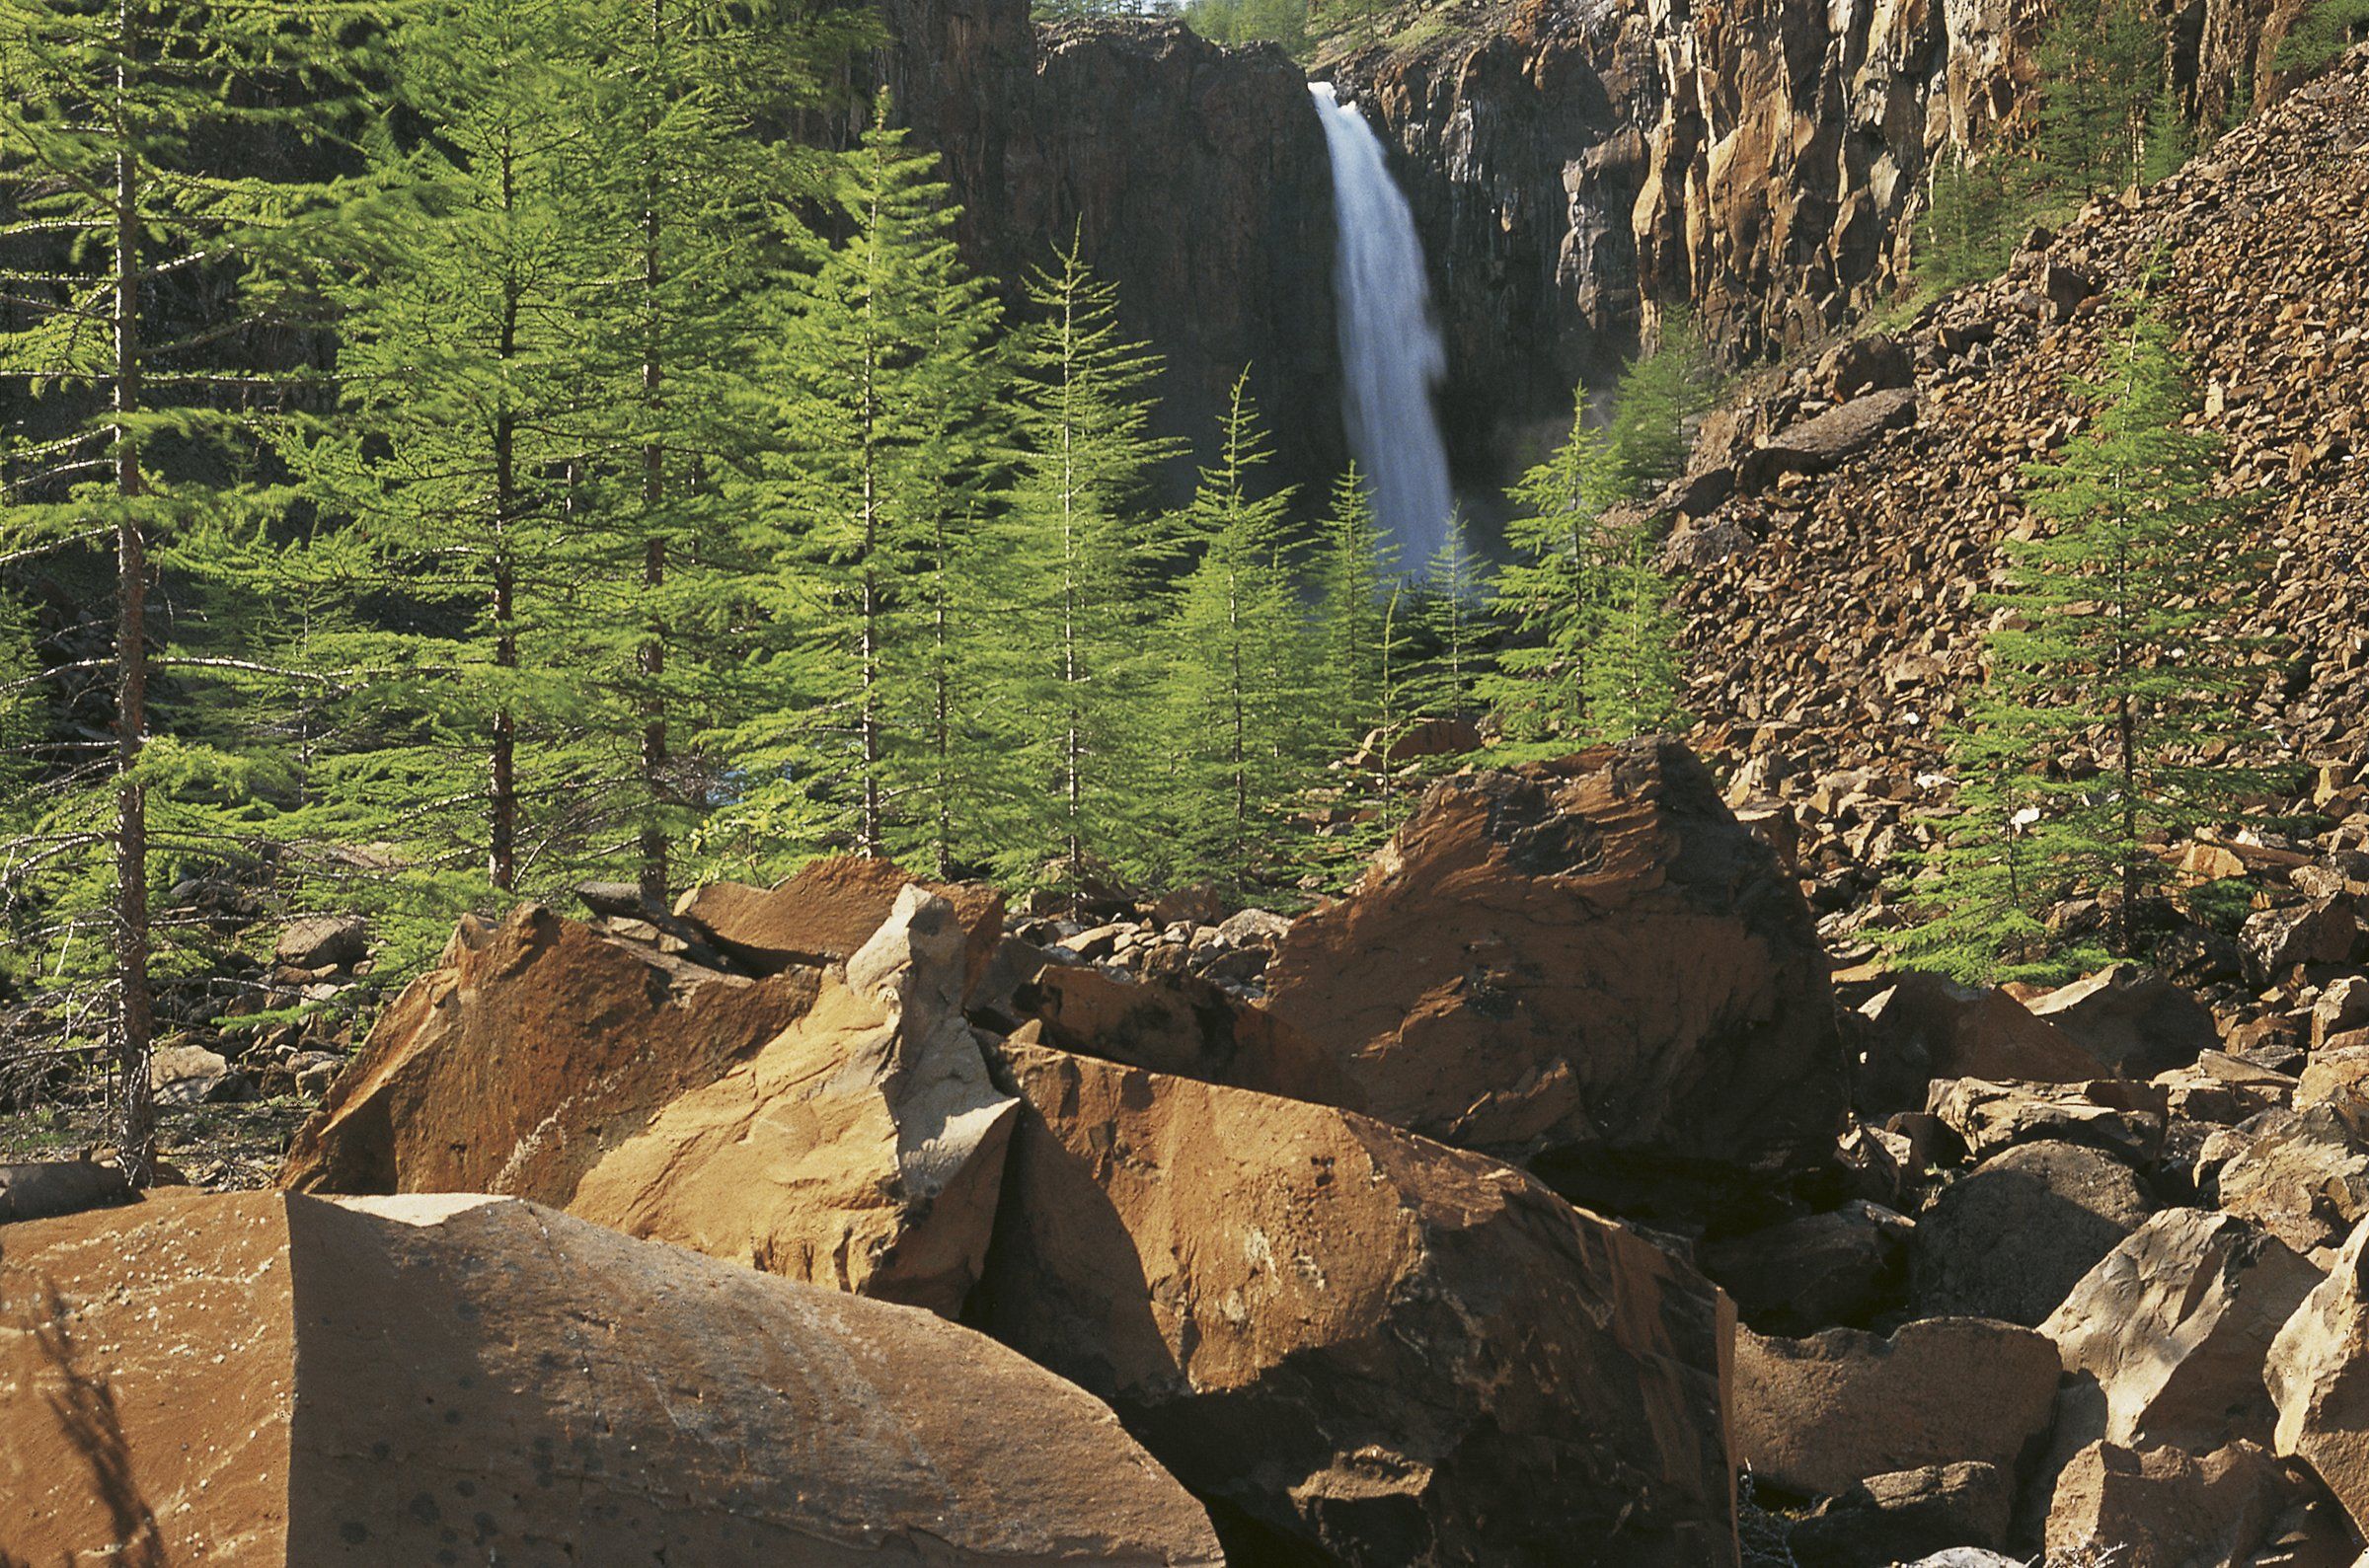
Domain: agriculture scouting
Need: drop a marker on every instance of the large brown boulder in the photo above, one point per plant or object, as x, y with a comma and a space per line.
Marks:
1925, 1028
2165, 1508
2122, 1118
274, 1379
2012, 1237
2137, 1023
1588, 964
1185, 1026
1821, 1414
2303, 1174
1354, 1341
2165, 1339
2318, 1374
837, 1127
827, 911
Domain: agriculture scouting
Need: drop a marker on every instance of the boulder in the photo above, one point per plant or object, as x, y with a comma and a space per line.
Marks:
2275, 940
2012, 1237
191, 1075
1352, 1340
1841, 1269
535, 1047
2164, 1340
1926, 1027
47, 1189
323, 941
2165, 1508
1185, 1026
833, 1127
1877, 362
2318, 1373
1822, 444
1822, 1414
1588, 964
2303, 1175
265, 1379
2223, 1089
2342, 1008
2122, 1118
1887, 1518
827, 911
2337, 1076
861, 1147
2136, 1022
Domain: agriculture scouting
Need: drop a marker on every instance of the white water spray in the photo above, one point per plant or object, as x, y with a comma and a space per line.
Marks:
1390, 355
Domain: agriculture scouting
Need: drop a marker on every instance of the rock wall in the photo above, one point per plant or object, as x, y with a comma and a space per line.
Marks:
1194, 177
1575, 165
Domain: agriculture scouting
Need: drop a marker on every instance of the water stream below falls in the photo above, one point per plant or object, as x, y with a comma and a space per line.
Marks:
1391, 354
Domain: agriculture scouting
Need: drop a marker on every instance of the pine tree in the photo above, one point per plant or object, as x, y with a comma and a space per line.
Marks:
1240, 695
2113, 640
155, 247
1356, 579
1633, 671
1451, 613
2323, 32
2102, 68
879, 445
1078, 582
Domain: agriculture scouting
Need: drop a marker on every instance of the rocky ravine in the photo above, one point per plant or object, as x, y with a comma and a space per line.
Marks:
771, 1188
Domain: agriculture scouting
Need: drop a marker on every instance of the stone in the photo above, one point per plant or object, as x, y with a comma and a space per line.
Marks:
1355, 1341
535, 1047
1434, 737
1926, 1027
1185, 1025
323, 941
1824, 442
1820, 1415
190, 1075
2137, 1023
1877, 362
2223, 1089
45, 1189
2012, 1237
1588, 965
2165, 1508
264, 1378
861, 1147
2275, 940
1968, 1558
2122, 1118
2342, 1007
2303, 1175
1841, 1269
1887, 1518
2164, 1340
2318, 1374
827, 911
1261, 927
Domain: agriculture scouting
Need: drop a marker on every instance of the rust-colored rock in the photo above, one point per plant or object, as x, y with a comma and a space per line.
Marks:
2165, 1508
2318, 1373
1588, 964
2120, 1118
1924, 1029
267, 1379
832, 1127
1820, 1415
1354, 1340
1185, 1026
2012, 1237
827, 911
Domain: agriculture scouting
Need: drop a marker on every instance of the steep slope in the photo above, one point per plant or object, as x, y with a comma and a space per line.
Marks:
1836, 615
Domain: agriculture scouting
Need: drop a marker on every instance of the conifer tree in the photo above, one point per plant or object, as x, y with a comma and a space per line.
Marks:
1633, 671
1240, 690
1356, 579
142, 188
2103, 69
880, 386
1971, 223
2115, 642
1077, 582
1451, 612
2324, 31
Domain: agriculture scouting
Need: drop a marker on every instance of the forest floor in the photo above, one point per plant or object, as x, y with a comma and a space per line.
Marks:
221, 1147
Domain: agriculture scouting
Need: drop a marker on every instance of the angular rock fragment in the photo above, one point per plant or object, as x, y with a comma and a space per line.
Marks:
268, 1380
2302, 1175
1888, 1518
827, 911
2318, 1373
2115, 1115
1588, 965
2136, 1022
2165, 1508
1822, 1270
1820, 1415
1186, 1026
1355, 1341
48, 1188
1927, 1028
2012, 1237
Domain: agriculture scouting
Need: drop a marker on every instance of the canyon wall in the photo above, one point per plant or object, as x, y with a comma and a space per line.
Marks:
1196, 178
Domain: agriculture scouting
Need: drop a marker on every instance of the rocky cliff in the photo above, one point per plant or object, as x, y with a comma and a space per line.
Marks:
1194, 177
1578, 163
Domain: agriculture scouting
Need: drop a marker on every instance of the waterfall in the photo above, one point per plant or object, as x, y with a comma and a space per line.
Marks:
1390, 355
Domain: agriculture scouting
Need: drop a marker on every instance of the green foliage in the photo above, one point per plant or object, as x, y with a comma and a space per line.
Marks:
1241, 701
1973, 224
2323, 33
2111, 642
1076, 582
1451, 615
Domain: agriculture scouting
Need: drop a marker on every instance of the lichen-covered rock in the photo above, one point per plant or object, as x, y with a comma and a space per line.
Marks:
261, 1380
1357, 1341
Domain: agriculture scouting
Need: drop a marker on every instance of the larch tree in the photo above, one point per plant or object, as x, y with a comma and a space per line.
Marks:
1451, 613
2114, 642
1240, 696
1077, 576
878, 413
153, 258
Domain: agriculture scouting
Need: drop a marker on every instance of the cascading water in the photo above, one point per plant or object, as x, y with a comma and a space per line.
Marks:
1390, 355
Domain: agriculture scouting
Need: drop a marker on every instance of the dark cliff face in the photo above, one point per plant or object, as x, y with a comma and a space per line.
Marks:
1196, 177
1578, 163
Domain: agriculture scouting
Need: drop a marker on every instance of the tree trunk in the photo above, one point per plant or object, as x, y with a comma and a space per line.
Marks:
135, 1026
